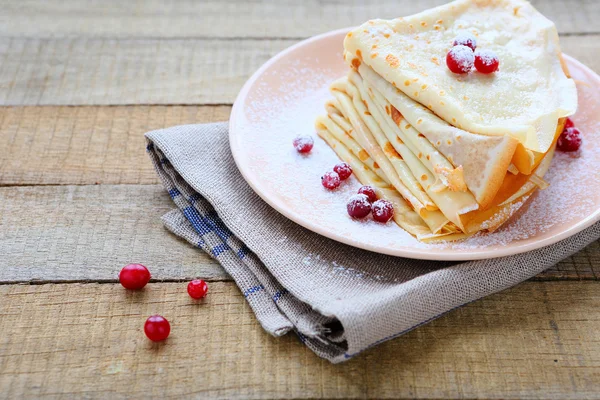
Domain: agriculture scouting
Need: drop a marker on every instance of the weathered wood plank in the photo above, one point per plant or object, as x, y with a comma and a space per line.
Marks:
236, 18
87, 145
72, 233
538, 340
140, 71
88, 71
584, 49
67, 233
582, 265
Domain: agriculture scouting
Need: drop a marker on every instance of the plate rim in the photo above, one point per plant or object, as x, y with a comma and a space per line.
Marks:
416, 253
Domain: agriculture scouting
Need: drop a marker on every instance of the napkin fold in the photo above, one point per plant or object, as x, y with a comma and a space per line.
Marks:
338, 299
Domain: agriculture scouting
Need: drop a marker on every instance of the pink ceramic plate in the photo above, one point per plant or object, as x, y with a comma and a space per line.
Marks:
284, 96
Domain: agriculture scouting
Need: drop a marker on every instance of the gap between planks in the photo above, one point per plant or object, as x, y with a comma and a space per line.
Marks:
87, 233
48, 227
96, 71
538, 340
237, 18
87, 145
225, 38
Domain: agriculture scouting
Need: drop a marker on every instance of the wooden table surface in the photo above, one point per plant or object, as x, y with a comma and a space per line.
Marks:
80, 82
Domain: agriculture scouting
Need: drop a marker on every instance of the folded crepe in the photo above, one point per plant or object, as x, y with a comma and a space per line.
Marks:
456, 154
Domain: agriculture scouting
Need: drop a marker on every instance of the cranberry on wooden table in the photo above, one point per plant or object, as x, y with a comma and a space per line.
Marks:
134, 276
157, 328
197, 289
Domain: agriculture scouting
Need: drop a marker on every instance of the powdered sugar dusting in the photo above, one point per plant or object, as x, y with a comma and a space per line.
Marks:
283, 104
465, 38
463, 56
487, 56
574, 180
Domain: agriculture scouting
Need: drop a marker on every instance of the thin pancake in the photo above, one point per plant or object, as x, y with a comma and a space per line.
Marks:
484, 159
404, 215
524, 99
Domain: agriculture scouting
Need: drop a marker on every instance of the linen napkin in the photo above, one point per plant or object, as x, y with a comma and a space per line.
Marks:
338, 299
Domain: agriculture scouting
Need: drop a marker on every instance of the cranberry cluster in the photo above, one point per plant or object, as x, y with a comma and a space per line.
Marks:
135, 277
332, 179
462, 56
365, 202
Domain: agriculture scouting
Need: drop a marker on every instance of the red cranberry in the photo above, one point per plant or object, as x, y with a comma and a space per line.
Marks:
157, 328
569, 140
369, 191
134, 276
304, 144
465, 39
569, 124
359, 206
383, 211
486, 61
344, 170
197, 289
330, 180
460, 59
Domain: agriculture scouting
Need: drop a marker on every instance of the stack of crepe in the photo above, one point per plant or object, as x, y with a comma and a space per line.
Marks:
455, 154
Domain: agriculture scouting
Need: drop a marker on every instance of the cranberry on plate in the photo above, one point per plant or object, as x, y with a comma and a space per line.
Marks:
304, 144
344, 170
369, 191
382, 210
359, 206
569, 123
331, 180
569, 140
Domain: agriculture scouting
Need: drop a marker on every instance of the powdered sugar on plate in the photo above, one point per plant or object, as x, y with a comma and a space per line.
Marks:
283, 102
574, 180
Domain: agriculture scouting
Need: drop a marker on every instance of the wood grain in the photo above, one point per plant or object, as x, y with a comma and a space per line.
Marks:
538, 340
236, 18
133, 71
87, 145
74, 233
92, 71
